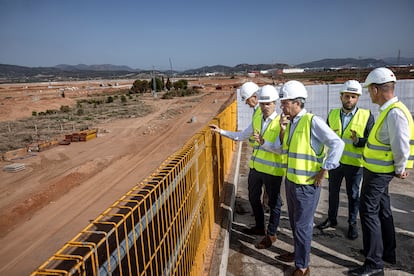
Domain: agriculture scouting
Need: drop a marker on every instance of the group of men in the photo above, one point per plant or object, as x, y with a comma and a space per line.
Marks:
302, 148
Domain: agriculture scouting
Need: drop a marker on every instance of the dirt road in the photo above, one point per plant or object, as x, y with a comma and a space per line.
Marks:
62, 189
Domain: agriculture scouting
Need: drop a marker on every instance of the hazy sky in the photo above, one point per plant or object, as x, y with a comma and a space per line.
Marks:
193, 33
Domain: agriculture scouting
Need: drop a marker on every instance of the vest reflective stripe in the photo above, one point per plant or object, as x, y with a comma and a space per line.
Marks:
268, 163
305, 157
381, 148
351, 155
302, 161
256, 113
300, 172
263, 160
378, 157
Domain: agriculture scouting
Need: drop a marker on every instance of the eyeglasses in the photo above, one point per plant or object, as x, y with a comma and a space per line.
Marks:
269, 103
286, 102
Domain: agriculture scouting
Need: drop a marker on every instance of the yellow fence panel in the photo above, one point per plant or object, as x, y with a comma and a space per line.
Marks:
161, 226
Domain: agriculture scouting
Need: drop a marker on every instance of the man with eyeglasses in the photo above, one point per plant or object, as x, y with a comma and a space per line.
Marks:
389, 152
303, 137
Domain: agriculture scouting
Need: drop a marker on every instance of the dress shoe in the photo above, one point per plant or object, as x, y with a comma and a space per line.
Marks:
326, 224
254, 231
287, 257
352, 231
299, 272
366, 271
266, 242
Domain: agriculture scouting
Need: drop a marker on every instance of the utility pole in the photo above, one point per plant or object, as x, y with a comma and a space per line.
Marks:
154, 84
398, 58
170, 68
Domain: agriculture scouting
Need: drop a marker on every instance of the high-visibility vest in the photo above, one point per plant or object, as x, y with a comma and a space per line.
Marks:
256, 114
302, 161
266, 161
378, 157
352, 155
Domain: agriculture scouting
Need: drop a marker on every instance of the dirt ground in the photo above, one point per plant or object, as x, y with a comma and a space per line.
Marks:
63, 188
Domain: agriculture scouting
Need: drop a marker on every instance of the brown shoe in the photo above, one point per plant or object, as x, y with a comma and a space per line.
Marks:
287, 257
266, 242
299, 272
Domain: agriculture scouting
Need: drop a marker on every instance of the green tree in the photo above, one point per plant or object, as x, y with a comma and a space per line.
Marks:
168, 85
158, 84
180, 84
140, 86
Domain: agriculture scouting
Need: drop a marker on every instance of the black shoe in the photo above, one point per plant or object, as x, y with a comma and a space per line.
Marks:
326, 224
254, 231
352, 232
366, 271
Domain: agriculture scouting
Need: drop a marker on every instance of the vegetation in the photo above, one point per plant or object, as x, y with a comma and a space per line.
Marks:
86, 114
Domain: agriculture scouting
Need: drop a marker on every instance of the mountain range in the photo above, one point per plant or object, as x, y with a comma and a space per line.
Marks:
14, 73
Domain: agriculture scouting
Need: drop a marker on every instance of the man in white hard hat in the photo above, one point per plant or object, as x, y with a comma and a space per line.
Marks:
353, 125
266, 168
303, 138
249, 94
389, 152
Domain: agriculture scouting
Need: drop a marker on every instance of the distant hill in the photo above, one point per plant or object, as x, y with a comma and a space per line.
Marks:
14, 73
96, 67
343, 63
401, 61
236, 69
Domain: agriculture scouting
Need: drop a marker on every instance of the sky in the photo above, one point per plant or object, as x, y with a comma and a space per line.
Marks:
188, 34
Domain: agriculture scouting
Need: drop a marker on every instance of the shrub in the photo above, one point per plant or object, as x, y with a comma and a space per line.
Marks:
65, 108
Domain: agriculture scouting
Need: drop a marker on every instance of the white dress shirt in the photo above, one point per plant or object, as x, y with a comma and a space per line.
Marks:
321, 134
395, 132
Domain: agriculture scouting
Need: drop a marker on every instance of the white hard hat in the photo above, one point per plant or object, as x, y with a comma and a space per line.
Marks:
379, 76
248, 89
352, 86
292, 90
267, 94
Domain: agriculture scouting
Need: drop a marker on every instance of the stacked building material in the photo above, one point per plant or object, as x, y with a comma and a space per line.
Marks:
41, 145
15, 167
14, 154
87, 135
75, 137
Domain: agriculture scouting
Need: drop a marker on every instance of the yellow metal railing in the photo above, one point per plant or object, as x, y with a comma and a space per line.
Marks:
161, 226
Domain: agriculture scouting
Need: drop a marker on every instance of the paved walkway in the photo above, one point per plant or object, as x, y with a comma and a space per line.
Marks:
332, 253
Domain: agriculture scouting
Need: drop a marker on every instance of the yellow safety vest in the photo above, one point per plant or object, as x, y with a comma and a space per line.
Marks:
352, 155
302, 161
378, 157
256, 114
266, 161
